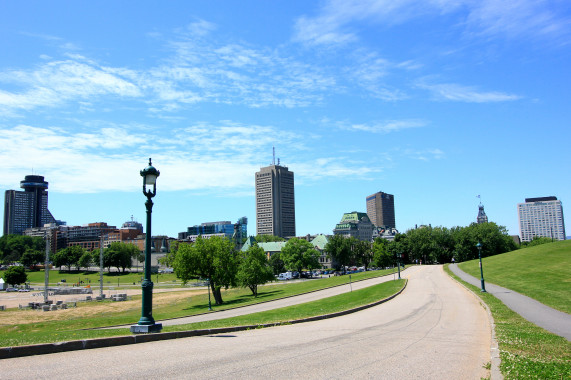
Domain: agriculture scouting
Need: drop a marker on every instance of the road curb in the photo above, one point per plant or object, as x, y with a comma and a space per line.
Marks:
495, 360
51, 348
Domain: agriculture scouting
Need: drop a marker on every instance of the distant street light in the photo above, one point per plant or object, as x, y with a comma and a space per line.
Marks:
147, 324
208, 286
481, 269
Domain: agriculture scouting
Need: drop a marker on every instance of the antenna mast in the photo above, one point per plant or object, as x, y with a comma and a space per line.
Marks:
274, 155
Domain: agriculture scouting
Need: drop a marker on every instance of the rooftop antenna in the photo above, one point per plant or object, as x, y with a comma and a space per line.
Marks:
278, 161
274, 155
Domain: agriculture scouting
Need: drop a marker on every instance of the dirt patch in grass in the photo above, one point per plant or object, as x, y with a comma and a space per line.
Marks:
89, 309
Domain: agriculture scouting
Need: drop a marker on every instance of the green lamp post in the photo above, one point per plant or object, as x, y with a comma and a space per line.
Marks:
147, 324
479, 246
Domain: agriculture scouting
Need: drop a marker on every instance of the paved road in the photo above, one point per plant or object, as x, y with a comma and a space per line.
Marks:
543, 316
295, 300
435, 329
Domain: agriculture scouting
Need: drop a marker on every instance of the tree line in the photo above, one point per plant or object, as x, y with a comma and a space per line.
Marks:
426, 245
30, 251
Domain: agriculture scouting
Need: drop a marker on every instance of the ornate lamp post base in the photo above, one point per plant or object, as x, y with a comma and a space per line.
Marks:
146, 329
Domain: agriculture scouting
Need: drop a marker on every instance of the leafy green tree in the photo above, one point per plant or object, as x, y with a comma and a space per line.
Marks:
254, 269
32, 257
338, 248
120, 255
86, 260
382, 258
298, 254
214, 259
277, 263
362, 252
15, 275
12, 247
268, 238
68, 257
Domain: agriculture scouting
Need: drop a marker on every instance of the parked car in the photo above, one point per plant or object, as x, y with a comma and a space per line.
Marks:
285, 276
11, 289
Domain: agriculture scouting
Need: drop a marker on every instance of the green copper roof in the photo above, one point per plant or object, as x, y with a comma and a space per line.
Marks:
353, 216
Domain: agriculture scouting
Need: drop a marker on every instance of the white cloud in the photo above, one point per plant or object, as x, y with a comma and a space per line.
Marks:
459, 93
335, 22
386, 126
56, 82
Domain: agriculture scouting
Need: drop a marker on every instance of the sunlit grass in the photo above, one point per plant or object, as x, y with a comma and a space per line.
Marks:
542, 272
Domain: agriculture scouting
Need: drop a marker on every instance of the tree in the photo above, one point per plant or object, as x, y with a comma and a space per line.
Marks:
254, 269
298, 254
31, 257
362, 252
277, 263
86, 260
268, 238
214, 259
382, 258
68, 256
339, 250
15, 275
119, 255
12, 247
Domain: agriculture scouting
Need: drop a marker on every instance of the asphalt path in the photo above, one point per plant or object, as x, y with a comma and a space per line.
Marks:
436, 329
284, 302
543, 316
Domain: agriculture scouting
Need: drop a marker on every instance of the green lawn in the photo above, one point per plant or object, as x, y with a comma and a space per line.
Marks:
526, 350
32, 332
542, 272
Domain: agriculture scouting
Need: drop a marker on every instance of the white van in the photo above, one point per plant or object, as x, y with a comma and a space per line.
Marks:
285, 276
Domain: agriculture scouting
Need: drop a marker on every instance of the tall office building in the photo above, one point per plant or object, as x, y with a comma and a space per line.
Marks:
381, 209
541, 217
275, 201
28, 208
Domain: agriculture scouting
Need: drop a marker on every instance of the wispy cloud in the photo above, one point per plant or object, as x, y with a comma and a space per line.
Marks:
424, 154
202, 157
385, 126
335, 23
459, 93
57, 82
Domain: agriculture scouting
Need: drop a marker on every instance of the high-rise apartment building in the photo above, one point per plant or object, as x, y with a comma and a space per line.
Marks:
381, 209
275, 201
28, 208
541, 217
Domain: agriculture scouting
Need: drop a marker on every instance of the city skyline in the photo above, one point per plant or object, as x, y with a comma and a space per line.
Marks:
435, 102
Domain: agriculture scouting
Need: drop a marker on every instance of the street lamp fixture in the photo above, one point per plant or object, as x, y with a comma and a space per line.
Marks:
479, 246
147, 324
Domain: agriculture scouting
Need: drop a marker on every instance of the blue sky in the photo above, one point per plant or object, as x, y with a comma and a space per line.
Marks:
435, 102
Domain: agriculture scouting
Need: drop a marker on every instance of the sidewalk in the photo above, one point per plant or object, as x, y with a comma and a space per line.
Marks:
279, 303
543, 316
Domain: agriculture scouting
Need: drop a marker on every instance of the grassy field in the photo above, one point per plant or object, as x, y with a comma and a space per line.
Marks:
526, 350
542, 272
20, 327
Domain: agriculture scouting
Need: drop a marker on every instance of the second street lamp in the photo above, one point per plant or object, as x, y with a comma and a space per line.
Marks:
147, 324
479, 246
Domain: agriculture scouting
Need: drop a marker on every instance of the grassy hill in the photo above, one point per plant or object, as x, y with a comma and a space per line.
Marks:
542, 272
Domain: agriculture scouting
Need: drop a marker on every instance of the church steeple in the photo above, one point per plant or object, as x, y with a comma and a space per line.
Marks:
482, 217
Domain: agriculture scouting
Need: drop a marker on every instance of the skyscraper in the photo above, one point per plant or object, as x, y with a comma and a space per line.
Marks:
28, 208
381, 209
275, 201
541, 217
